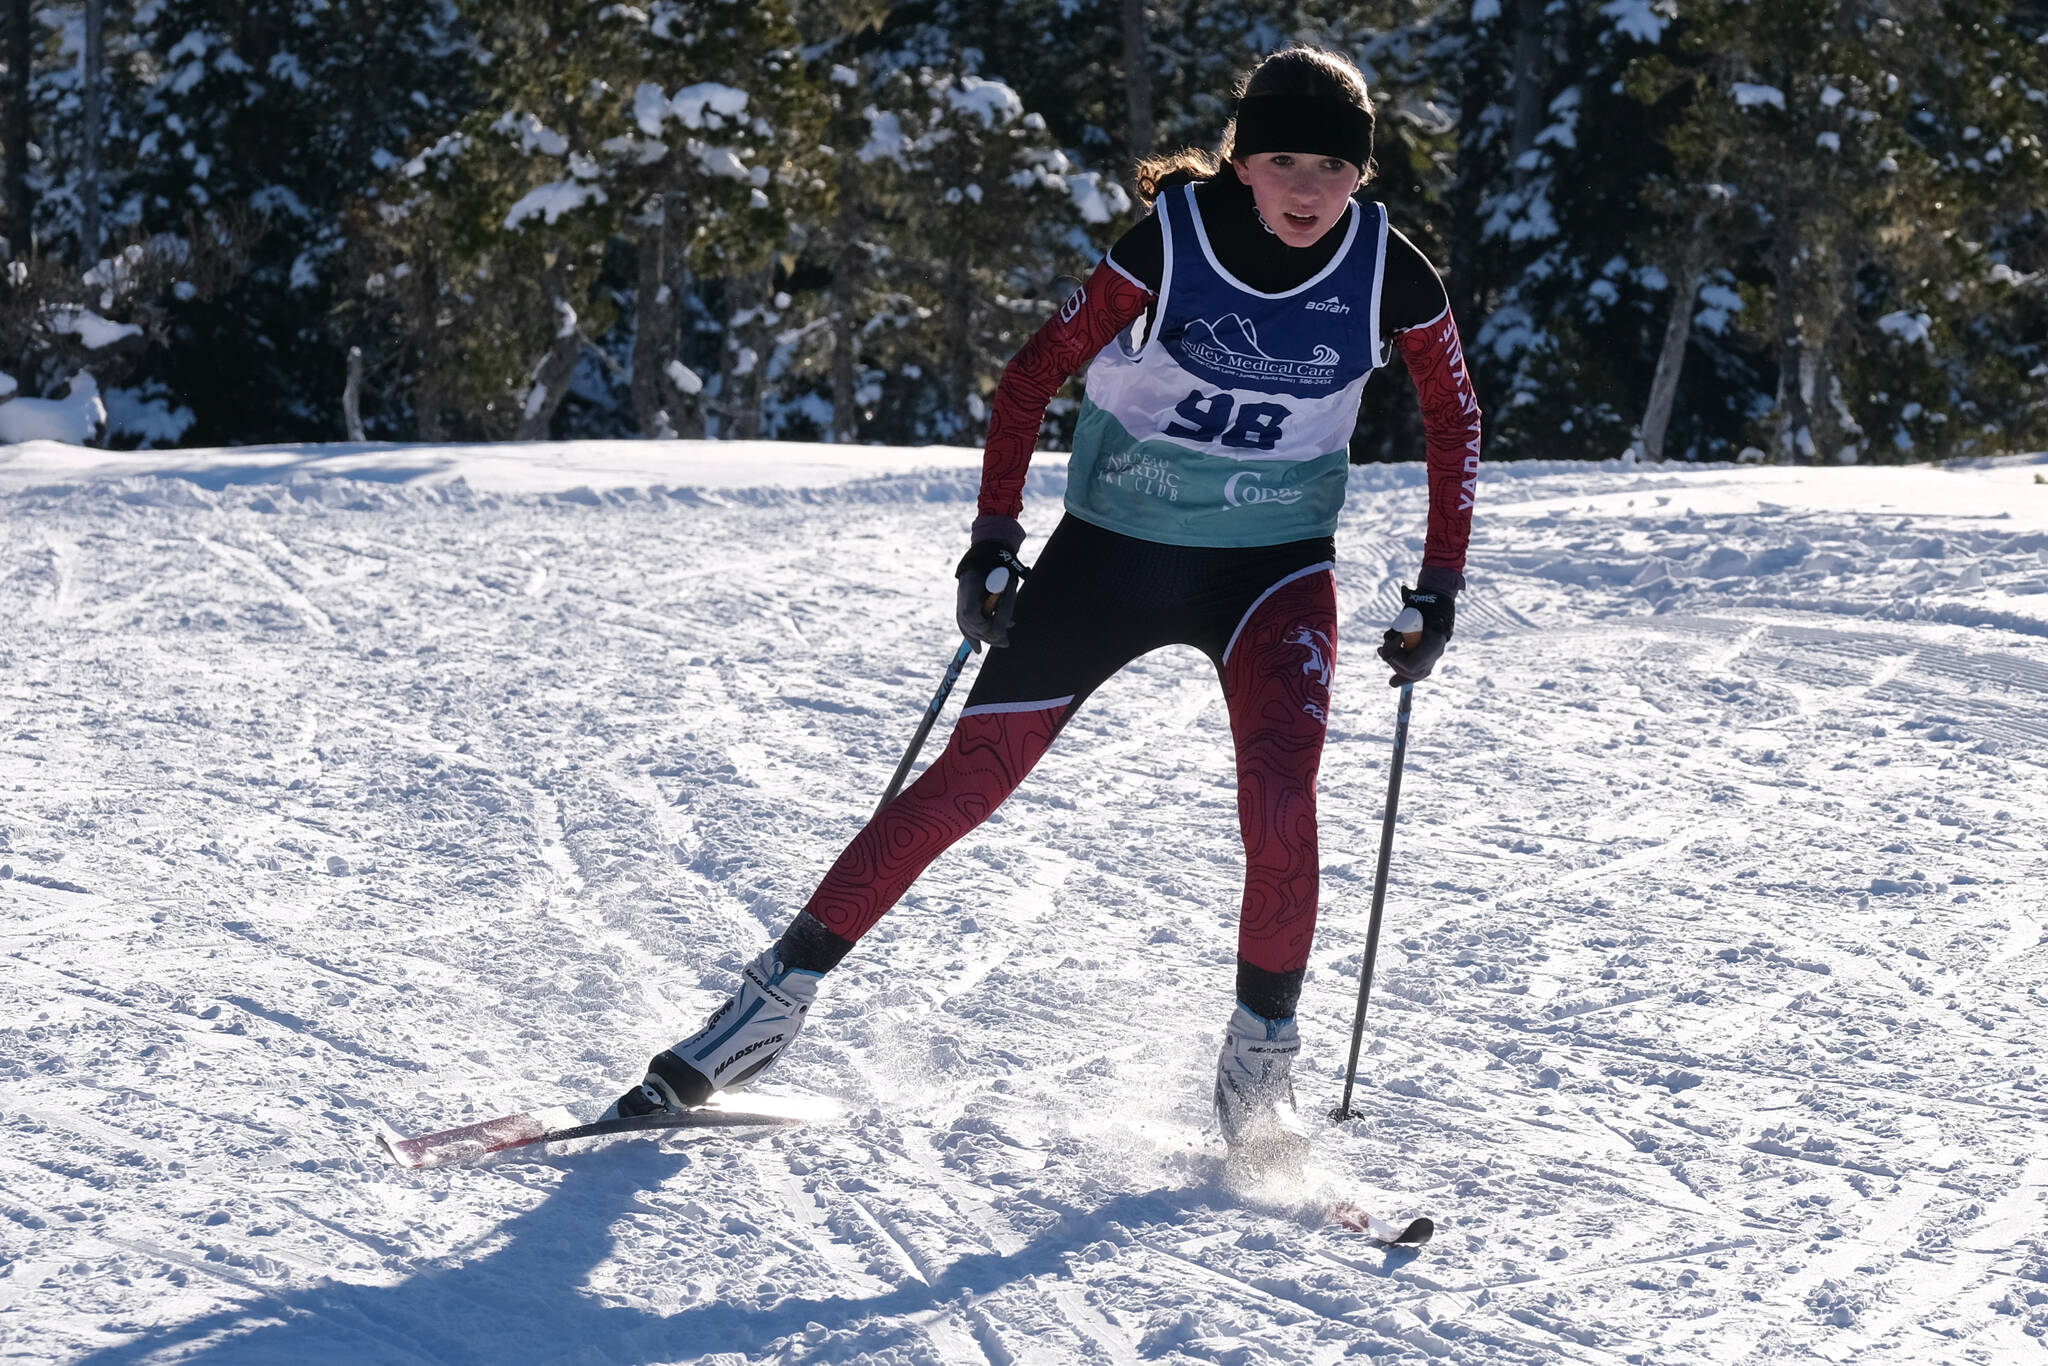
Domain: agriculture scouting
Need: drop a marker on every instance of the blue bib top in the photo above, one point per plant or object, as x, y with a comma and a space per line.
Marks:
1229, 424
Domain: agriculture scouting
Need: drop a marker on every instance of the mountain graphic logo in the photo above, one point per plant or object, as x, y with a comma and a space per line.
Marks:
1230, 346
1330, 305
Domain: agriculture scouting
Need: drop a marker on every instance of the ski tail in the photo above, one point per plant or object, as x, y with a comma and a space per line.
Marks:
1414, 1233
471, 1142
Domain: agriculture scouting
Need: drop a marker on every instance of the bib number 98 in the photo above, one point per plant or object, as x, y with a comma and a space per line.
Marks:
1217, 417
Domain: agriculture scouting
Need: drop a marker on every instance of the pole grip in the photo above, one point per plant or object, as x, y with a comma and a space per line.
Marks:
994, 585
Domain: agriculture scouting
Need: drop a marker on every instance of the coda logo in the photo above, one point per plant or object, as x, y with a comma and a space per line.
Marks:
1243, 489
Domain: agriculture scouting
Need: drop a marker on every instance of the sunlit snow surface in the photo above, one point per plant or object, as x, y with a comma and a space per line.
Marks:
1708, 1022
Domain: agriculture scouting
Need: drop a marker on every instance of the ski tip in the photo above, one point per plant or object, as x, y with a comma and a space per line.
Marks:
766, 1107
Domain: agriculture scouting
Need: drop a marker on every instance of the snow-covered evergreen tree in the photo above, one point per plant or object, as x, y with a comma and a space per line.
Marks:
107, 310
985, 215
1687, 224
256, 122
1874, 150
678, 133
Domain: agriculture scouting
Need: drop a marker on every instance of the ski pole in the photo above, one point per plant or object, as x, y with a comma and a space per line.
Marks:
997, 581
1409, 624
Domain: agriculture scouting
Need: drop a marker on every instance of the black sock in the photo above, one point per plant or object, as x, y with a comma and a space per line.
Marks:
809, 947
1271, 994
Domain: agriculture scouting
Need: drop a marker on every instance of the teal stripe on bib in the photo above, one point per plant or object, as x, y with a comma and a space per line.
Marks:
1163, 491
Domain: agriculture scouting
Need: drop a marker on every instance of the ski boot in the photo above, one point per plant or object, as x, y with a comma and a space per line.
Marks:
737, 1044
1255, 1090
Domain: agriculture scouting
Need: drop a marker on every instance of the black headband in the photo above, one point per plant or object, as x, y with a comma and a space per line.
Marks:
1315, 124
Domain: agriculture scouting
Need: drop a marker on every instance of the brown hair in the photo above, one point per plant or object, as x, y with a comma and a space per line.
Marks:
1298, 70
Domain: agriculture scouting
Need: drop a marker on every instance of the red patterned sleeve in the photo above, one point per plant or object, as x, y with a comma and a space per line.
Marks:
1090, 319
1450, 425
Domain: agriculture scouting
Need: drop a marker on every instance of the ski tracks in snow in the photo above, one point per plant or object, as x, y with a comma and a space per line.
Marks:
1705, 1022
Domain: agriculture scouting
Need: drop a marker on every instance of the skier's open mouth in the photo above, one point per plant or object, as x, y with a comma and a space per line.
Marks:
1300, 220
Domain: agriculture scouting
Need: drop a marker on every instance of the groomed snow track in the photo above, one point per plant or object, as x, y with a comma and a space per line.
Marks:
1707, 1027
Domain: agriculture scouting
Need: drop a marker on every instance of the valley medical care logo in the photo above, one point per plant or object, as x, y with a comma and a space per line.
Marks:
1230, 347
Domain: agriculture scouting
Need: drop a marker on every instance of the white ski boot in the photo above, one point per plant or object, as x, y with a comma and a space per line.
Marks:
737, 1044
1255, 1090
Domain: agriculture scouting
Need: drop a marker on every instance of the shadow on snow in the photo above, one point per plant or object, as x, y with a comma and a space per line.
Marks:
525, 1302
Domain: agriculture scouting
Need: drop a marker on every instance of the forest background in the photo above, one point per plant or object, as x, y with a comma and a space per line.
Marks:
1796, 229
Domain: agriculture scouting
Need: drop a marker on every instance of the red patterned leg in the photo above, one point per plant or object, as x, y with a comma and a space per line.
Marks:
984, 762
1277, 682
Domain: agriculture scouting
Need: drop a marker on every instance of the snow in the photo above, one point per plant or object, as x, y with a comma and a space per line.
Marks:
650, 108
350, 785
1718, 303
93, 331
528, 469
447, 148
1642, 20
1907, 325
1749, 96
1565, 109
73, 420
721, 103
148, 415
534, 136
886, 139
686, 380
995, 104
278, 199
549, 202
722, 161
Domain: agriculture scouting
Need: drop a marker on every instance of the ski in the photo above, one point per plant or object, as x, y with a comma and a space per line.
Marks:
1414, 1233
469, 1142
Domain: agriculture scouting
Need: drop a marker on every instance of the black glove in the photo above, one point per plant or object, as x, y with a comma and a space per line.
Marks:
996, 540
1437, 601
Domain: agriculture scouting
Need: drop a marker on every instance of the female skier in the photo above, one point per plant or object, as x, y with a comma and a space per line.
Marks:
1208, 468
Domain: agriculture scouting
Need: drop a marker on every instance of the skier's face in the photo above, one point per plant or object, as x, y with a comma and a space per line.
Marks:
1300, 195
